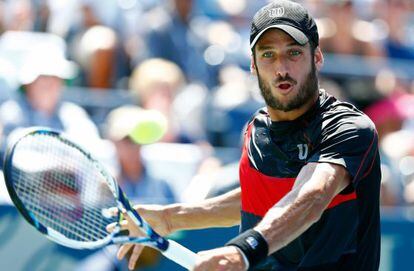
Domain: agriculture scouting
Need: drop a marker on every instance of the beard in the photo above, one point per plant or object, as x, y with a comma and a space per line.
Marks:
305, 93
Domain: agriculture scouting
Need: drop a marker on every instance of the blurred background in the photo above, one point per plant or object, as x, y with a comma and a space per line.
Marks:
97, 68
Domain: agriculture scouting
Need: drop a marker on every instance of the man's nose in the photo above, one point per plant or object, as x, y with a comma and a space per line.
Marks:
281, 68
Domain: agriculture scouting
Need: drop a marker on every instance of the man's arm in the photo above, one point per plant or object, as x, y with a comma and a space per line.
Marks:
315, 187
221, 211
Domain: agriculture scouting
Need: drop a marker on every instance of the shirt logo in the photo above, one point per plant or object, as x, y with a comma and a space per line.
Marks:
276, 12
303, 151
252, 242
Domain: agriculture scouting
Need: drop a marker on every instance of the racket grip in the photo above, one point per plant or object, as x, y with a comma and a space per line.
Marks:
181, 255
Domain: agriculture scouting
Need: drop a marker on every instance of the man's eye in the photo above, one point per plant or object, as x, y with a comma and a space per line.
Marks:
295, 53
267, 54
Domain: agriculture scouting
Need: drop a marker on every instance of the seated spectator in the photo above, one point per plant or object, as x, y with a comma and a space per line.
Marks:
174, 39
122, 125
157, 84
398, 155
96, 53
133, 178
396, 142
397, 16
18, 15
39, 103
94, 40
342, 32
231, 105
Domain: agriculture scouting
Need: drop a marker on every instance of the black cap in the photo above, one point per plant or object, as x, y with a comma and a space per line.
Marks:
288, 16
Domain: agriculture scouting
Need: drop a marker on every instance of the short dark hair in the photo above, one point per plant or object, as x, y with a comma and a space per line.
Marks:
313, 47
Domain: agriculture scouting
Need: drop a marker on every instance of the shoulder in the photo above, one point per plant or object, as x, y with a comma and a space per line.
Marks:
343, 122
260, 117
340, 114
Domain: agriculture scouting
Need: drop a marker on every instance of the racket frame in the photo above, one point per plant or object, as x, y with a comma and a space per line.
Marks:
169, 248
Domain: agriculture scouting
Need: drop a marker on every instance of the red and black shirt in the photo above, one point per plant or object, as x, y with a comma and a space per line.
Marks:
347, 237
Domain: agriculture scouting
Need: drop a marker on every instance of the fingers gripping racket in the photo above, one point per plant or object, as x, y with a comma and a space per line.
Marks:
66, 194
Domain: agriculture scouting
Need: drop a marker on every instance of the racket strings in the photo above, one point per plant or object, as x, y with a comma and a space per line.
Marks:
62, 187
80, 233
54, 206
50, 217
55, 200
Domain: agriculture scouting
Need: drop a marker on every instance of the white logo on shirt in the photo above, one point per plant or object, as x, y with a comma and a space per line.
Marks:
303, 151
276, 12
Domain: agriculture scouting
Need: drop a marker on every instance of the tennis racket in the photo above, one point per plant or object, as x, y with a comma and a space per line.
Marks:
66, 194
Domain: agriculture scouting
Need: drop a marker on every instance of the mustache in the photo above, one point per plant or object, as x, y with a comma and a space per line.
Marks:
286, 78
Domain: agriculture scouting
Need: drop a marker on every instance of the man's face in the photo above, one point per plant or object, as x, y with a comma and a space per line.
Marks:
44, 93
286, 71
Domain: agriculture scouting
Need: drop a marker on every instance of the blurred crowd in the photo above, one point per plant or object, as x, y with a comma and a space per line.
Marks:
189, 60
184, 65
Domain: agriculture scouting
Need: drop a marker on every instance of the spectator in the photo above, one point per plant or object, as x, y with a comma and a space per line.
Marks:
231, 106
396, 14
391, 117
344, 33
156, 83
95, 51
133, 178
38, 102
41, 13
18, 15
176, 41
94, 42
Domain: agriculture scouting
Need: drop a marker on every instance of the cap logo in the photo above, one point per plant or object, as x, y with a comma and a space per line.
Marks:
276, 12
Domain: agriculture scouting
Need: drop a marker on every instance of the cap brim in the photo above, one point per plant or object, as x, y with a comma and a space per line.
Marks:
63, 69
295, 33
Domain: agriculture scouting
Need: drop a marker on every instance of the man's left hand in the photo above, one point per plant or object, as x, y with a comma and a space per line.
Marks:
220, 259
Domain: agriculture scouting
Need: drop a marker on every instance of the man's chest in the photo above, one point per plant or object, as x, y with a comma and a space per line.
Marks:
279, 154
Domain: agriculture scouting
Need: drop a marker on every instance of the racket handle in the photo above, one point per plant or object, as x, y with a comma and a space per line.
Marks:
181, 255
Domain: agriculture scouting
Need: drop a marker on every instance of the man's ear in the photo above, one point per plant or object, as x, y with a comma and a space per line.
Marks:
252, 66
319, 60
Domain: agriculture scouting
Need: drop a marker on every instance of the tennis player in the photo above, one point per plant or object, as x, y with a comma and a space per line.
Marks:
309, 171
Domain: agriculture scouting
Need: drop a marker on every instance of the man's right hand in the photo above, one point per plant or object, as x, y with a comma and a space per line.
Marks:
155, 215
